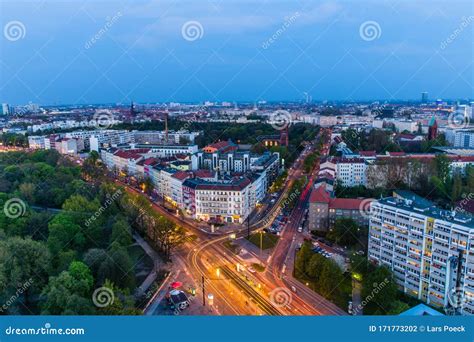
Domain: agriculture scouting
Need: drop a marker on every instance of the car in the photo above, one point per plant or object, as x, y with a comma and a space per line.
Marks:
300, 229
251, 269
293, 289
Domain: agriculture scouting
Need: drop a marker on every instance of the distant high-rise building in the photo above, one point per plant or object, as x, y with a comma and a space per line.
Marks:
464, 111
5, 109
432, 129
424, 97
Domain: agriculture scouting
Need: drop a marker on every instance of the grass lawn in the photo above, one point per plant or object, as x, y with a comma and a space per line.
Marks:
268, 240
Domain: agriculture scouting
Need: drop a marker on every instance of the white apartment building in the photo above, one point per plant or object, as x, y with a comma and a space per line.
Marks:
429, 250
400, 125
351, 172
463, 138
159, 137
221, 201
36, 142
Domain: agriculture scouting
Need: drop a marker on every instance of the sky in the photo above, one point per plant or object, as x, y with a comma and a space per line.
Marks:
88, 52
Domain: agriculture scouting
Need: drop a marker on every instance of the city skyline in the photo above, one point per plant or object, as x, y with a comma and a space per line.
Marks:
148, 51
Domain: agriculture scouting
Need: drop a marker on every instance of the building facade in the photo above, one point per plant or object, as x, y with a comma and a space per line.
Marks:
429, 250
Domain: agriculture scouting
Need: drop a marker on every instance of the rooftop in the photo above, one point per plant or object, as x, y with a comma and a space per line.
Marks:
409, 201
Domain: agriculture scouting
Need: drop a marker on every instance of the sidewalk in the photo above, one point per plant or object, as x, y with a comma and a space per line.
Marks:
157, 264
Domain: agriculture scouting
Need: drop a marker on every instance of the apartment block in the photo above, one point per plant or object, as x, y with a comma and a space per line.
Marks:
429, 250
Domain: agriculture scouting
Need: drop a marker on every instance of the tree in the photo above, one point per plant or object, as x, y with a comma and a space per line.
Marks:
94, 258
167, 235
442, 167
379, 287
69, 292
123, 303
314, 266
398, 307
88, 215
345, 232
64, 232
330, 279
117, 267
121, 233
24, 261
302, 258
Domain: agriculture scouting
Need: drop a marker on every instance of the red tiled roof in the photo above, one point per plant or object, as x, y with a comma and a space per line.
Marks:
396, 154
346, 203
203, 173
181, 175
127, 155
367, 153
406, 136
150, 161
319, 195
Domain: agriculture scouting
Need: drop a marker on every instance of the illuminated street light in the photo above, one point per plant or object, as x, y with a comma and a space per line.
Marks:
210, 299
218, 272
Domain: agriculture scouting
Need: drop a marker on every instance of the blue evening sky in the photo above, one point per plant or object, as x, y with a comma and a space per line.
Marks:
243, 51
